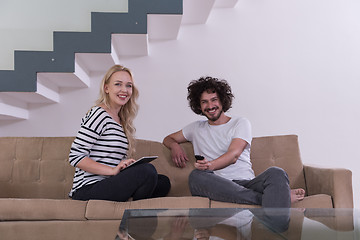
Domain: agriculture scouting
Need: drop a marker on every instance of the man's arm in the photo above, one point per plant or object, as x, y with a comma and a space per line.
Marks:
178, 154
234, 151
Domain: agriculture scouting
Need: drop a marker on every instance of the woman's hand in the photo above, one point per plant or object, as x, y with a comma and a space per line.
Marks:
123, 164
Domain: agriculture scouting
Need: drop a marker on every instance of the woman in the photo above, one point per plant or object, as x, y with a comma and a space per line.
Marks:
104, 142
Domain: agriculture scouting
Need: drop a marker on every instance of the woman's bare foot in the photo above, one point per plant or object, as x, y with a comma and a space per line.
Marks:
297, 194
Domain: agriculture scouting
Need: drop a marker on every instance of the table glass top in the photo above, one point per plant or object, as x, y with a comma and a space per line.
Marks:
240, 223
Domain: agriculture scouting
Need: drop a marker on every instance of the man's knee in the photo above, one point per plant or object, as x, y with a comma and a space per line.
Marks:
194, 176
199, 177
278, 173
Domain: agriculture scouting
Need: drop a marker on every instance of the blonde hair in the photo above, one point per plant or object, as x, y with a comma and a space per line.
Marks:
127, 112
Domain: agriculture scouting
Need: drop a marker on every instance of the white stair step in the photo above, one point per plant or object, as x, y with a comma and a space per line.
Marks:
14, 105
93, 62
12, 108
44, 94
78, 79
9, 112
64, 80
133, 45
196, 11
163, 27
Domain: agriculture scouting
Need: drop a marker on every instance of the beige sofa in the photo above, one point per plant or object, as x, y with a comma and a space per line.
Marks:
35, 178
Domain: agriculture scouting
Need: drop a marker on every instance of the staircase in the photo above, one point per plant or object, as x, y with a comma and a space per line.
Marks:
39, 76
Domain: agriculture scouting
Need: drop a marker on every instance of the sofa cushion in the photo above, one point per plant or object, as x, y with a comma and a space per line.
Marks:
281, 151
217, 204
59, 230
171, 202
99, 209
314, 201
35, 167
41, 209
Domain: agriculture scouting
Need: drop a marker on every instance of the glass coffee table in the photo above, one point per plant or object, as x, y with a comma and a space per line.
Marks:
239, 223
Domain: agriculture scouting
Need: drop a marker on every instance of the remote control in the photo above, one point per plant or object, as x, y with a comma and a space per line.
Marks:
199, 157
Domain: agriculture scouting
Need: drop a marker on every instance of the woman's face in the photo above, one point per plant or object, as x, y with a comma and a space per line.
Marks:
119, 88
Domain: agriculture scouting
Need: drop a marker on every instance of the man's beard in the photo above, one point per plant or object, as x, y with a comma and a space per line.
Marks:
215, 118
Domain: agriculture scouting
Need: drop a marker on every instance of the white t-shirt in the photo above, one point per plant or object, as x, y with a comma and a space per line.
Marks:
212, 141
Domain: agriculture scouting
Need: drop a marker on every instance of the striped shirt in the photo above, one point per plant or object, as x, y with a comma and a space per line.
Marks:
101, 139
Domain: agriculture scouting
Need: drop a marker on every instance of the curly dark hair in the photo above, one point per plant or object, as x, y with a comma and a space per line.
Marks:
211, 85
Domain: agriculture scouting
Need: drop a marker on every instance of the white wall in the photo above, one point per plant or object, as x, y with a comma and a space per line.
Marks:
293, 66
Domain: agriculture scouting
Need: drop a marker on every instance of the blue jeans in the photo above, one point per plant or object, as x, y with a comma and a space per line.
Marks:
269, 189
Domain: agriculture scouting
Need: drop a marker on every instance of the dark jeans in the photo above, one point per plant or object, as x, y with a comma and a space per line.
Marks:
269, 189
139, 182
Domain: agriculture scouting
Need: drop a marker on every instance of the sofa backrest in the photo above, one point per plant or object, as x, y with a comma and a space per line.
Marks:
35, 167
281, 151
38, 167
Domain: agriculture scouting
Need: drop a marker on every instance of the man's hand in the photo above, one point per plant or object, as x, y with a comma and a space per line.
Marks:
203, 164
179, 156
235, 149
202, 234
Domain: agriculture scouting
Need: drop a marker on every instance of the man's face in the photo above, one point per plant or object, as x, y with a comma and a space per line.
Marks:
210, 105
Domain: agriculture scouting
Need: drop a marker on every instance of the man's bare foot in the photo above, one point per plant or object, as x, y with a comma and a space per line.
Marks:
297, 194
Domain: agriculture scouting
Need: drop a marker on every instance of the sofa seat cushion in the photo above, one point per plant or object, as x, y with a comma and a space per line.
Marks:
59, 230
41, 209
314, 201
217, 204
99, 209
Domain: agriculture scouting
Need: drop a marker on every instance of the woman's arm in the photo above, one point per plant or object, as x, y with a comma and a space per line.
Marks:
89, 165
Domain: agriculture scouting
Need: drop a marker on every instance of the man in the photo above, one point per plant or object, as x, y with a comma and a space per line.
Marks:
225, 174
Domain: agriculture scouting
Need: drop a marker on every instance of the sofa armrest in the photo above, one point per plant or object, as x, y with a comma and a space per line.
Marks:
336, 182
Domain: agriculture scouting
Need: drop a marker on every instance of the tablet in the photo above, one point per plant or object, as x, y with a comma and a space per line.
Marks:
145, 159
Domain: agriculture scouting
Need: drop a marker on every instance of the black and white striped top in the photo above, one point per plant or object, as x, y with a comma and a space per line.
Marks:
101, 139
